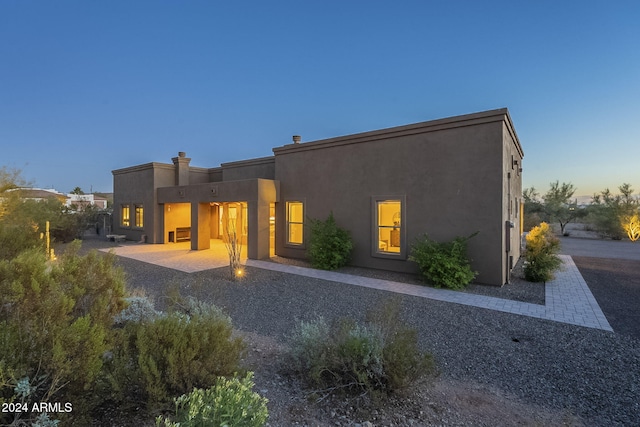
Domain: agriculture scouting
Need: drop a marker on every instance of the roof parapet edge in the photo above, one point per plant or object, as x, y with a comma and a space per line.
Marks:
249, 162
501, 114
144, 166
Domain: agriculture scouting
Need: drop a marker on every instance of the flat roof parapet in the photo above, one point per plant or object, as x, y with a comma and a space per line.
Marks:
490, 116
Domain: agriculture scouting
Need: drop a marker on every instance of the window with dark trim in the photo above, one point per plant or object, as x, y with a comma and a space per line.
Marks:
125, 216
295, 222
389, 227
139, 219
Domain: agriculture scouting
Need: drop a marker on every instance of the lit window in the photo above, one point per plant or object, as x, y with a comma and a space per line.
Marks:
389, 233
125, 218
295, 223
139, 216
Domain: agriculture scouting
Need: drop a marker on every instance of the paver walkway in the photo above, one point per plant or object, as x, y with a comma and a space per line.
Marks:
567, 298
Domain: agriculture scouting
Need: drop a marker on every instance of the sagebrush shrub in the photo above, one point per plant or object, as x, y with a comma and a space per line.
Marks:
359, 352
404, 363
170, 355
310, 349
138, 309
377, 357
230, 402
345, 356
541, 254
444, 264
330, 246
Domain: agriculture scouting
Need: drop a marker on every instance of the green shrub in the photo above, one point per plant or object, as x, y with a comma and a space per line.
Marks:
17, 238
55, 322
170, 355
330, 246
346, 356
230, 402
444, 264
378, 357
358, 358
541, 254
607, 212
310, 349
404, 362
531, 220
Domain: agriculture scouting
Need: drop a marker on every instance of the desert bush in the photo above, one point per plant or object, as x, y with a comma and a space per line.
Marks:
230, 402
531, 220
404, 362
44, 420
55, 320
93, 281
605, 219
17, 238
612, 214
330, 246
345, 356
541, 254
631, 225
444, 264
378, 357
169, 355
138, 309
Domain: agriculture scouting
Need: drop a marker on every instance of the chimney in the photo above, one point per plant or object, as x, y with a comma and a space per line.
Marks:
182, 168
296, 139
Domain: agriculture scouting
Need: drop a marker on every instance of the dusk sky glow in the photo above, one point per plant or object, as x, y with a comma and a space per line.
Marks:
87, 87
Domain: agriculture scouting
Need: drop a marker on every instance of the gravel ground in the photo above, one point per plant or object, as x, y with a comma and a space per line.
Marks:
591, 376
518, 289
616, 285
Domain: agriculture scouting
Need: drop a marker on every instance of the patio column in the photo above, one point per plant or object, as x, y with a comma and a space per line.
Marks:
200, 227
258, 242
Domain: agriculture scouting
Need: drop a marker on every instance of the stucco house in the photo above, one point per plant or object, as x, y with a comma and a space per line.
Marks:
449, 177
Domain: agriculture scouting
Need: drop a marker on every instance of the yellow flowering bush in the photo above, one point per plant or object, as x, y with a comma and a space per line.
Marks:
631, 224
541, 254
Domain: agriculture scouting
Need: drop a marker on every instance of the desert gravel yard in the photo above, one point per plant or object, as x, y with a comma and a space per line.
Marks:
590, 377
495, 368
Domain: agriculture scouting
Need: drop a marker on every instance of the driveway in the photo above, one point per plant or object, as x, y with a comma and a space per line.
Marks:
612, 271
597, 248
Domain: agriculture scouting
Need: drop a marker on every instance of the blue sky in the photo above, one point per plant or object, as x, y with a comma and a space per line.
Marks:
87, 86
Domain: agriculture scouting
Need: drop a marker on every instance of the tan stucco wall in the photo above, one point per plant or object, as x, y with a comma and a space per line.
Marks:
249, 169
450, 171
456, 176
137, 185
176, 215
512, 193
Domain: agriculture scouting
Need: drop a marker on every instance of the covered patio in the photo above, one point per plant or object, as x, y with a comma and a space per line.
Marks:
178, 256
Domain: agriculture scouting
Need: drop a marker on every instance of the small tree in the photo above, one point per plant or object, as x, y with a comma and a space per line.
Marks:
558, 205
533, 210
613, 214
541, 254
330, 246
